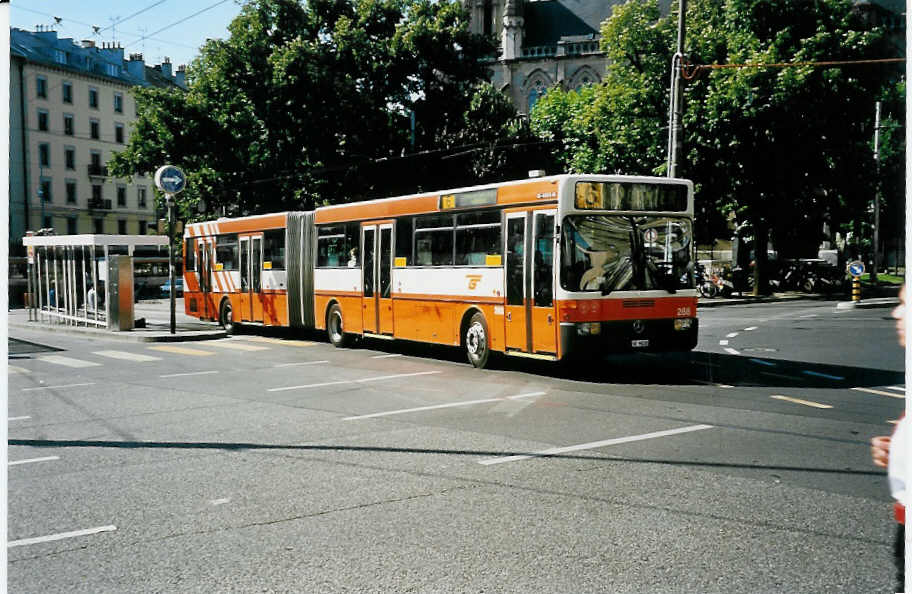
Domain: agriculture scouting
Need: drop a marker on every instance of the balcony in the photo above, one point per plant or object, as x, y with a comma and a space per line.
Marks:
97, 170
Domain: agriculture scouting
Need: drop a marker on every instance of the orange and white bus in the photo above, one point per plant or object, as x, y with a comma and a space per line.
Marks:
544, 268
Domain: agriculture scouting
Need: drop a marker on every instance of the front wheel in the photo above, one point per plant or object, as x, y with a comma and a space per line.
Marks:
476, 341
335, 330
226, 318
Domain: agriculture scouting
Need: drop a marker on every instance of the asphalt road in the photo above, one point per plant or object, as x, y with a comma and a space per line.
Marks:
275, 463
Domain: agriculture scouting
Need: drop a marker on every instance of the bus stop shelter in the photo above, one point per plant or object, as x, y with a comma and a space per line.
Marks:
84, 280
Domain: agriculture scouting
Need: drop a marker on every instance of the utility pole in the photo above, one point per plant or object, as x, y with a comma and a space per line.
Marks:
676, 103
876, 241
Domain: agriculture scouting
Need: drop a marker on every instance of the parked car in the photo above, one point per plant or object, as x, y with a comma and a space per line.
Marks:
166, 288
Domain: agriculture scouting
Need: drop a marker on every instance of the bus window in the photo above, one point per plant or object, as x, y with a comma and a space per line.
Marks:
274, 249
189, 255
404, 241
434, 240
337, 246
226, 252
477, 237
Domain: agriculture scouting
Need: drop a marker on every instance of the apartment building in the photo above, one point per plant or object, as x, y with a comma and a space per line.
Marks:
71, 109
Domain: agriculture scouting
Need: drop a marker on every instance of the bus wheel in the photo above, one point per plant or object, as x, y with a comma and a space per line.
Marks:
476, 341
334, 328
226, 318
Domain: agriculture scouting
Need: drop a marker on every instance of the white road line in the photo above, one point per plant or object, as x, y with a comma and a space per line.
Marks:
731, 335
57, 387
18, 418
708, 383
299, 363
188, 373
221, 501
68, 361
750, 329
897, 388
238, 346
596, 444
386, 356
723, 343
60, 536
808, 316
731, 351
127, 356
30, 460
800, 401
439, 406
12, 369
880, 393
360, 381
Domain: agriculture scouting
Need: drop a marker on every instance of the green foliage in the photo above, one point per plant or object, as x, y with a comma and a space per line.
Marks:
309, 103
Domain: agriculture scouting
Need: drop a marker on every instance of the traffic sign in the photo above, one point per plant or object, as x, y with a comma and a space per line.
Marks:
856, 268
170, 179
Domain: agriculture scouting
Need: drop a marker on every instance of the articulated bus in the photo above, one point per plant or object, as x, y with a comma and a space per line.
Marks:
545, 268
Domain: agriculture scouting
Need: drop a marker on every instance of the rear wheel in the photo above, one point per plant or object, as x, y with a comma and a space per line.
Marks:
477, 347
226, 317
335, 330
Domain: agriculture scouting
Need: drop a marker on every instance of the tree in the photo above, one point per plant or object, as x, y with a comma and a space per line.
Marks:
304, 103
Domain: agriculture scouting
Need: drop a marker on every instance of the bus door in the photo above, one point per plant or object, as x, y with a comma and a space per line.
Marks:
376, 275
251, 264
204, 263
530, 321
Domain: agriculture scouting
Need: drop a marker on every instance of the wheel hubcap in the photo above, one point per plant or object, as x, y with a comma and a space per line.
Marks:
475, 339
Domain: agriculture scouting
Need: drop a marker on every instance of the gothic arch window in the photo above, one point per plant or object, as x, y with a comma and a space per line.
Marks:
536, 86
582, 77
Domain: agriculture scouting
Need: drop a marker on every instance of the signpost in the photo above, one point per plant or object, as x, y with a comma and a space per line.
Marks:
171, 180
856, 269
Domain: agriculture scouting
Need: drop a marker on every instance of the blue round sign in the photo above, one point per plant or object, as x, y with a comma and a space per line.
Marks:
856, 268
170, 179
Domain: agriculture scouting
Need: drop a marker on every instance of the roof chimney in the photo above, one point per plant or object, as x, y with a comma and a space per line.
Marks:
166, 67
181, 77
88, 43
136, 67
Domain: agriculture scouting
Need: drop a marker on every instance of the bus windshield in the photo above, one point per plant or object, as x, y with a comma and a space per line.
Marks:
626, 253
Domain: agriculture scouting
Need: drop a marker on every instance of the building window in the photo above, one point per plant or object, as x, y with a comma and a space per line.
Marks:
121, 227
60, 56
112, 69
43, 120
44, 190
67, 92
68, 124
95, 158
96, 193
69, 157
93, 97
41, 87
118, 102
99, 226
141, 199
119, 133
44, 155
71, 226
71, 191
94, 129
143, 227
121, 195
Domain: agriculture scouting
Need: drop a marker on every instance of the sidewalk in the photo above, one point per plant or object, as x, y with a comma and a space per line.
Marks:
157, 315
882, 297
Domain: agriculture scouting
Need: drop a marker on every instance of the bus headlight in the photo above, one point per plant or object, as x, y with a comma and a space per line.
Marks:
587, 328
683, 323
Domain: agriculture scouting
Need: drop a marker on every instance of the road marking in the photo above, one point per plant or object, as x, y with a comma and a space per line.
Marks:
221, 501
595, 444
189, 373
808, 316
18, 418
750, 329
723, 343
60, 536
360, 381
386, 356
181, 350
12, 369
127, 356
57, 387
438, 406
898, 388
731, 351
731, 335
68, 361
880, 393
299, 363
800, 401
708, 383
295, 343
30, 460
762, 362
239, 346
823, 375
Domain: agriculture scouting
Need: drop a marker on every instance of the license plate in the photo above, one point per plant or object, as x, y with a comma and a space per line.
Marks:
639, 343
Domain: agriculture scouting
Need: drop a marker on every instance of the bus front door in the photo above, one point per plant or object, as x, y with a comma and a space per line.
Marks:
204, 260
529, 317
251, 264
376, 278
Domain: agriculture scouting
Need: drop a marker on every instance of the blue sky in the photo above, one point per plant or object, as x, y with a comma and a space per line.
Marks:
150, 27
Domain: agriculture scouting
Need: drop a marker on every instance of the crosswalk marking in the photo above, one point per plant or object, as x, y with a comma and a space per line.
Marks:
68, 361
181, 350
800, 401
239, 346
12, 369
294, 343
127, 356
880, 393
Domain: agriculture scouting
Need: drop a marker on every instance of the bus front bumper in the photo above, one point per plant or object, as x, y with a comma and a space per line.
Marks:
594, 338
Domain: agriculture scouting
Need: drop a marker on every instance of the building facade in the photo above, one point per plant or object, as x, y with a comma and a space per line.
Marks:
71, 109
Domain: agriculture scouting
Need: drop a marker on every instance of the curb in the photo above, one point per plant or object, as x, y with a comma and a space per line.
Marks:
876, 302
156, 336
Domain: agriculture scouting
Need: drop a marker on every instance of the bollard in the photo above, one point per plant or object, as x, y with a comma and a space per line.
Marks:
856, 288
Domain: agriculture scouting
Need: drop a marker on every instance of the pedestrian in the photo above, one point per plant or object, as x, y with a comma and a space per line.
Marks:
890, 452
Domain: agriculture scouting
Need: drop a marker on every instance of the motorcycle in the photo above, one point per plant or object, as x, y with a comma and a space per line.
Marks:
705, 285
